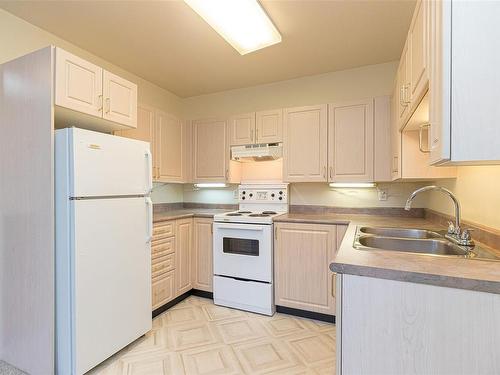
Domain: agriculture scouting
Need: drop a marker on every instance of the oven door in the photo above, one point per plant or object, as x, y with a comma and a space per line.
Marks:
243, 251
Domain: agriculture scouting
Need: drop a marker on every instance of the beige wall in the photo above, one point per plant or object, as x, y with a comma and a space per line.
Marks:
373, 80
478, 190
18, 37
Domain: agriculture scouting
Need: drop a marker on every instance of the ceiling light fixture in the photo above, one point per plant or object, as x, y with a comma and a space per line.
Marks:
243, 23
353, 184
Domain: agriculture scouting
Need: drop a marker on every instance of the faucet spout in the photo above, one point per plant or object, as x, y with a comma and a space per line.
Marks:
442, 190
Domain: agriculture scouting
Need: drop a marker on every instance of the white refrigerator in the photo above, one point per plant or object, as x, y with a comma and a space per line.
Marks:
103, 246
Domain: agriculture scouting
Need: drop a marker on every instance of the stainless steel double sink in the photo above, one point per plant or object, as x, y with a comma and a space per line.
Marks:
410, 240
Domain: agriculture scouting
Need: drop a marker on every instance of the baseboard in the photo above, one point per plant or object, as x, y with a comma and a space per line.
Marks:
306, 314
175, 301
202, 293
168, 305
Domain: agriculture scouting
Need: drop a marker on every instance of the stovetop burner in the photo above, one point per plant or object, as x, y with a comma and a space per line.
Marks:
244, 212
234, 214
259, 215
269, 212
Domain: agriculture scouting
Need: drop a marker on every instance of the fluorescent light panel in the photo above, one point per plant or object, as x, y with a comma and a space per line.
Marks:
352, 184
243, 23
210, 185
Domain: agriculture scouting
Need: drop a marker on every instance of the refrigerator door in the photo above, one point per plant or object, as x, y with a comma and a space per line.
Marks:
106, 165
111, 276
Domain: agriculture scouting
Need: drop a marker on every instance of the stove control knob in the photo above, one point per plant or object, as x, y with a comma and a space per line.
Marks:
280, 198
272, 195
243, 198
243, 192
251, 195
281, 193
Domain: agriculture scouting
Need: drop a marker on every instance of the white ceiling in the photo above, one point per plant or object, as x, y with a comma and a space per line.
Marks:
167, 43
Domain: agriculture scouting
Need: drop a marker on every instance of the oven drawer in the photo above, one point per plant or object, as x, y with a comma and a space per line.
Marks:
244, 295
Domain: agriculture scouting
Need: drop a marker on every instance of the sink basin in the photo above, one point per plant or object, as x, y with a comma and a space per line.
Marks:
400, 232
421, 246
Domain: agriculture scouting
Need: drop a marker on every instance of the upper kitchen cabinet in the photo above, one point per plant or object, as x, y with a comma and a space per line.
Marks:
256, 127
169, 148
78, 84
120, 100
418, 41
413, 71
269, 126
242, 129
464, 108
305, 144
350, 141
211, 152
170, 143
90, 97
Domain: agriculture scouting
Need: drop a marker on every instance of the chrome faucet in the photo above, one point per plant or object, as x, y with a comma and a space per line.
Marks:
455, 233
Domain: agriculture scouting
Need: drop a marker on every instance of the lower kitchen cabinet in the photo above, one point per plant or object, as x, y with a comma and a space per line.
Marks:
184, 244
302, 255
409, 328
202, 271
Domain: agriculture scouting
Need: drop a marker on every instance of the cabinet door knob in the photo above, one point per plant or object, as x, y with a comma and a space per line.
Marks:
108, 105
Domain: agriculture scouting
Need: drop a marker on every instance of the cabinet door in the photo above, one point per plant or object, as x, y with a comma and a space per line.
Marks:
210, 151
395, 136
269, 126
144, 132
305, 144
350, 141
120, 100
242, 129
78, 84
184, 245
404, 86
170, 147
202, 254
302, 255
418, 36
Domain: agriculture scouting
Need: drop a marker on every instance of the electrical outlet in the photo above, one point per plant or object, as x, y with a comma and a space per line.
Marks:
382, 194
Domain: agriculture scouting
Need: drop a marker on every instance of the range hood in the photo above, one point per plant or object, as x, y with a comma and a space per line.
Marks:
257, 152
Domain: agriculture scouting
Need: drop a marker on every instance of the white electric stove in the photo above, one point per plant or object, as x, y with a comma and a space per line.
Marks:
243, 248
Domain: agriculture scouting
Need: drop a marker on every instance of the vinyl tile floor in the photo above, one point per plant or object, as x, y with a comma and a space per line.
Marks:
197, 337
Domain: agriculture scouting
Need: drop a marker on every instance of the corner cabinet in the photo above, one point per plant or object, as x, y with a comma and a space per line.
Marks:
305, 144
88, 89
184, 246
170, 141
350, 141
202, 270
302, 255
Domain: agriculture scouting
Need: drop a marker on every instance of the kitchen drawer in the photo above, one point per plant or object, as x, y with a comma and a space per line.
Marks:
162, 247
162, 265
162, 290
163, 229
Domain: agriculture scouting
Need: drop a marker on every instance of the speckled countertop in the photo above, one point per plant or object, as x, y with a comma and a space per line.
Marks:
186, 212
472, 274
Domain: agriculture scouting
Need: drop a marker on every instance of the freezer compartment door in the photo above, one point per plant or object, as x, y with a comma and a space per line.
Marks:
106, 165
112, 276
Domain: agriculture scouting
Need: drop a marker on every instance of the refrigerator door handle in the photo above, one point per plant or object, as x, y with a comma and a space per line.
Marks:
150, 172
149, 204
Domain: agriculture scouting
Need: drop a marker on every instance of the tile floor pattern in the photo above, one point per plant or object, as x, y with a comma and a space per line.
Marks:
198, 337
